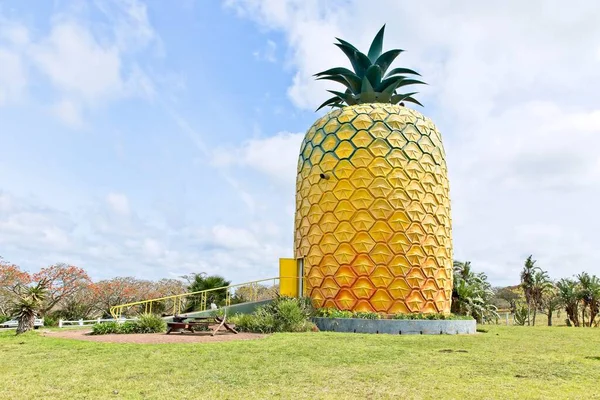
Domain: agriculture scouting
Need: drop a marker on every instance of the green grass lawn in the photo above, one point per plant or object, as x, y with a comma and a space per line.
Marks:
505, 363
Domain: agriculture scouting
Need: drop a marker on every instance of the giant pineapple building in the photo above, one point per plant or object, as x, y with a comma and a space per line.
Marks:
372, 225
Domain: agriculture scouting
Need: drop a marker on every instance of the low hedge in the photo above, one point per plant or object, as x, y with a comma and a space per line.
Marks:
146, 323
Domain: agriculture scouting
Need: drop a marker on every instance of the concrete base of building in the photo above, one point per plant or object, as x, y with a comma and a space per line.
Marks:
397, 326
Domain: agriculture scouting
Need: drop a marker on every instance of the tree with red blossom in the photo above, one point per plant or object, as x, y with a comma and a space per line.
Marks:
11, 277
64, 281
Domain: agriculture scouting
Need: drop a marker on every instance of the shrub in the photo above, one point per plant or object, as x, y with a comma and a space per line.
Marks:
366, 315
260, 321
4, 318
283, 314
105, 328
335, 313
149, 323
291, 316
127, 327
50, 321
146, 323
433, 316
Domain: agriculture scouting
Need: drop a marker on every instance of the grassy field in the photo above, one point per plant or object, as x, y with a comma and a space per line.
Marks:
505, 362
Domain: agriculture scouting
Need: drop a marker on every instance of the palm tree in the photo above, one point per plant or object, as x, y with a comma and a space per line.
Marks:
527, 281
551, 302
589, 294
472, 293
200, 282
569, 293
541, 283
29, 303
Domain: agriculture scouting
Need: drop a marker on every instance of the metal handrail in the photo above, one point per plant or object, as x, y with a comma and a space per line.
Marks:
116, 311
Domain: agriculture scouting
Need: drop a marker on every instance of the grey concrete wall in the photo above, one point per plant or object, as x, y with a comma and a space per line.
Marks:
396, 326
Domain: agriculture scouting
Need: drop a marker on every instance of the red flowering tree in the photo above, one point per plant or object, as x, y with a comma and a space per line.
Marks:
120, 290
63, 282
11, 278
123, 290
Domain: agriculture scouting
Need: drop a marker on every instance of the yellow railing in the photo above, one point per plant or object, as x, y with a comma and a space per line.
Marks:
201, 298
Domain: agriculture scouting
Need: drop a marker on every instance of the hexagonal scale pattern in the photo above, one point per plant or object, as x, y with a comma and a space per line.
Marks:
375, 235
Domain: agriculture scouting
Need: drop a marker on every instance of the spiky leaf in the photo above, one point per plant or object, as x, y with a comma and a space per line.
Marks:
401, 71
347, 97
377, 45
388, 82
344, 81
329, 102
336, 71
406, 82
405, 97
411, 99
359, 61
387, 58
374, 75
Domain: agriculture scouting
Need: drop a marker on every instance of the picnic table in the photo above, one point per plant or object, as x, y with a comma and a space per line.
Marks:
182, 323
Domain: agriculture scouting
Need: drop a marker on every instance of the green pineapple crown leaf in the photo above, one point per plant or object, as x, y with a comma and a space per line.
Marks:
370, 82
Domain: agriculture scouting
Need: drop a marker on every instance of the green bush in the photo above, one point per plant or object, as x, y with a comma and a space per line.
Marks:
146, 323
128, 327
433, 316
149, 323
291, 316
366, 315
283, 314
260, 321
50, 321
105, 328
335, 313
4, 318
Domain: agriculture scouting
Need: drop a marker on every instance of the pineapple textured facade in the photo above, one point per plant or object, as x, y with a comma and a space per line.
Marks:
373, 211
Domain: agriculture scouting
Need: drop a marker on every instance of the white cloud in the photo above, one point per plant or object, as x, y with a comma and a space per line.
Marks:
13, 79
77, 64
119, 203
276, 156
96, 239
68, 112
234, 238
268, 53
88, 65
512, 87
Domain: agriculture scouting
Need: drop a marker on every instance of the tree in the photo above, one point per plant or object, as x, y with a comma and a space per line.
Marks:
254, 292
201, 282
540, 285
30, 302
165, 288
589, 294
11, 277
80, 305
527, 281
62, 281
120, 290
551, 301
472, 293
509, 294
569, 293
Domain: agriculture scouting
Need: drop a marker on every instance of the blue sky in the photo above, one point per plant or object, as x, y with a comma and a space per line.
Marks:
156, 139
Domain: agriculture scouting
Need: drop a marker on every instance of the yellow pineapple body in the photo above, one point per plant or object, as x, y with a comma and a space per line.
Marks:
373, 212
